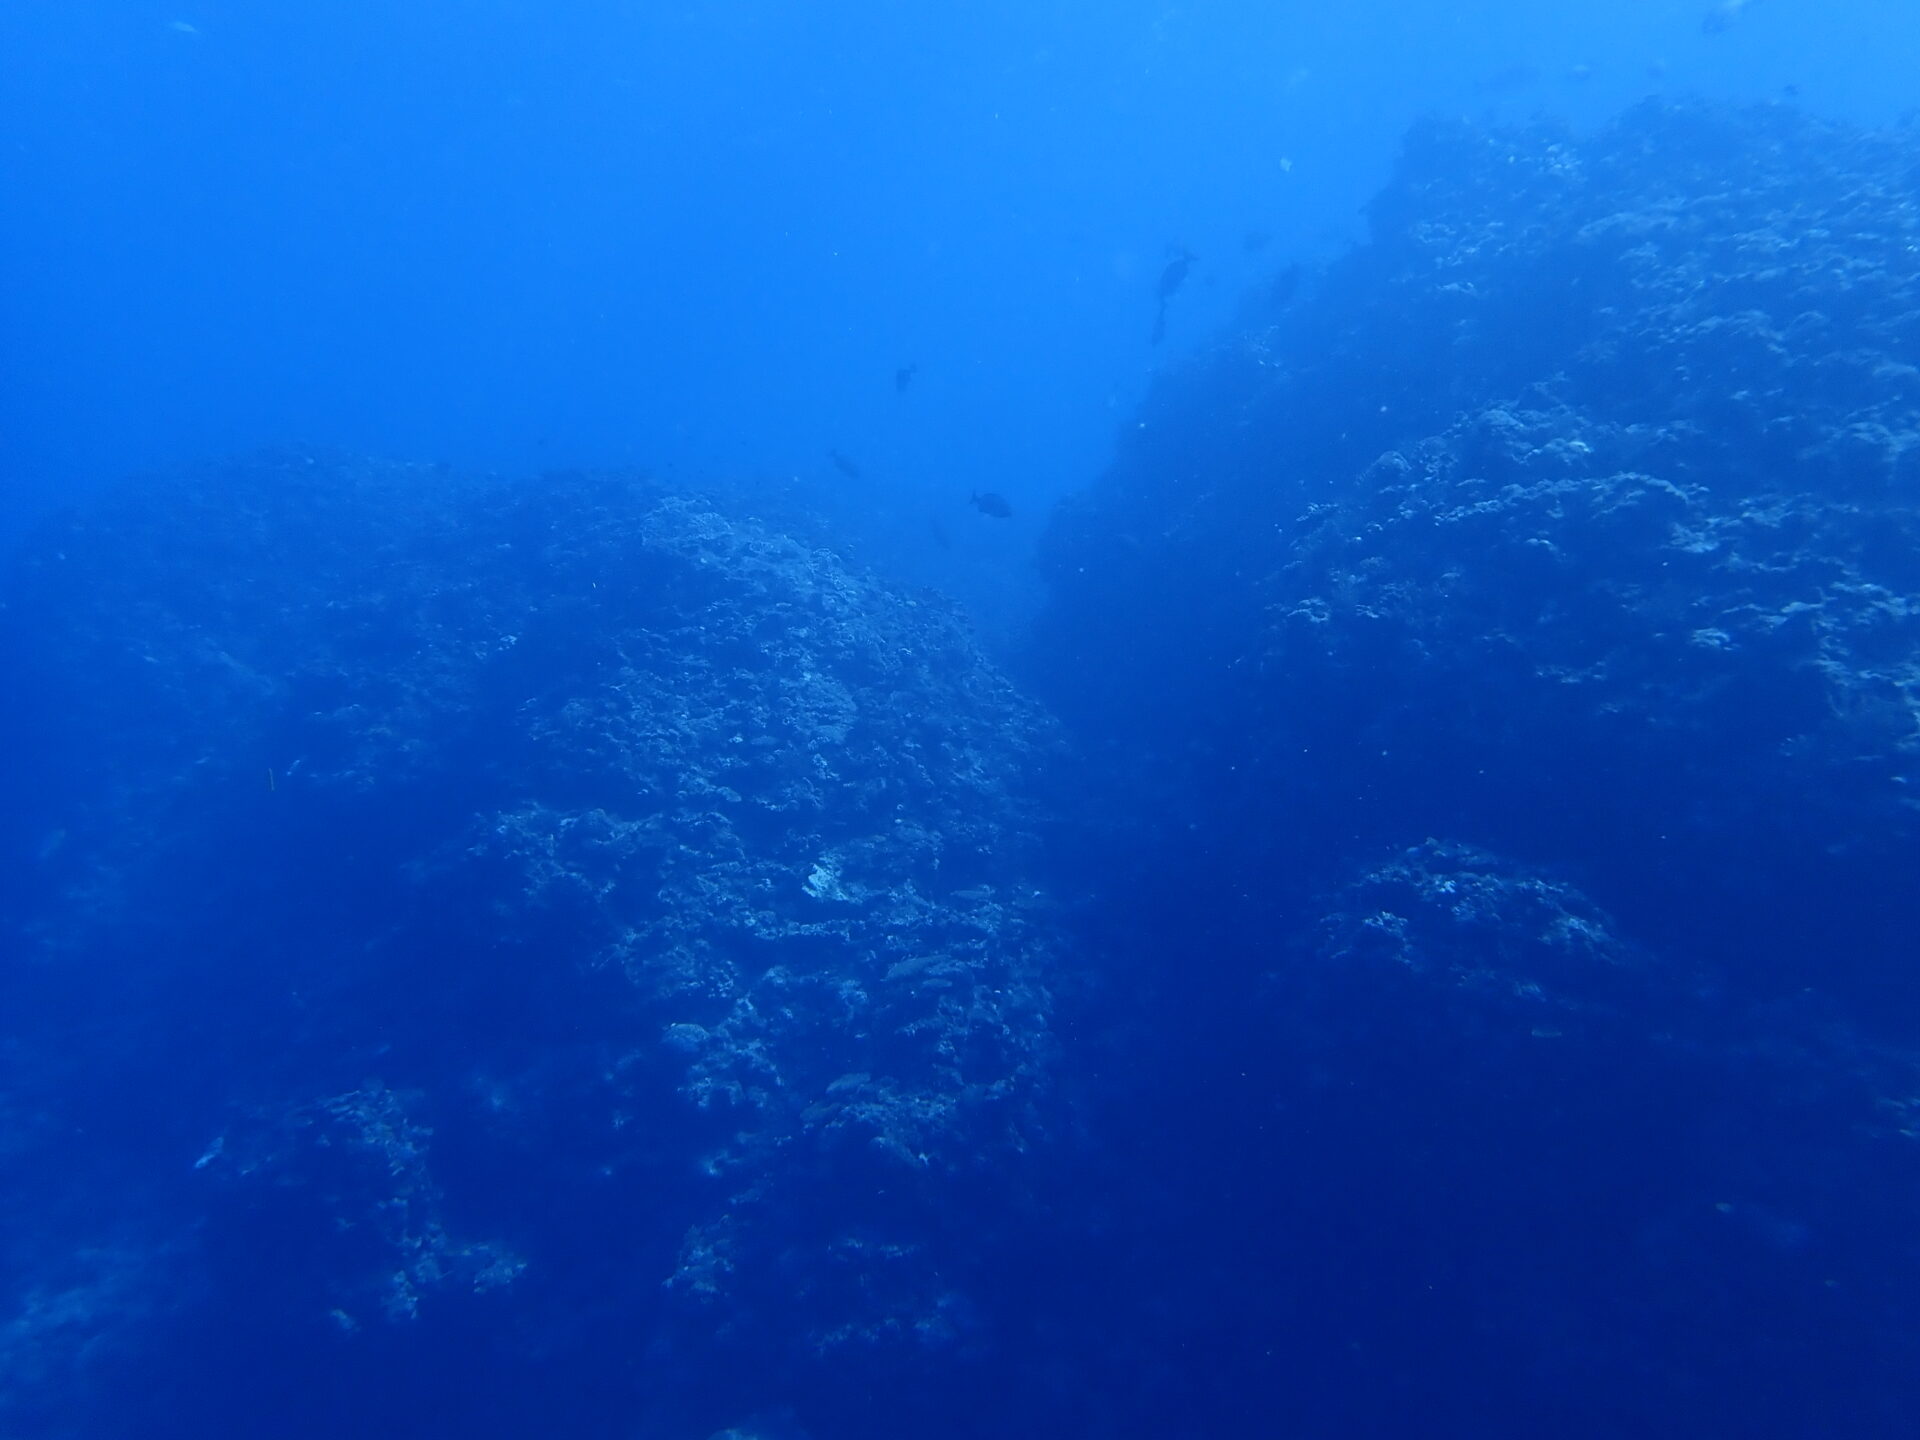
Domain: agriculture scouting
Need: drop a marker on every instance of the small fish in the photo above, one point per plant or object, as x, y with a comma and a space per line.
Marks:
1505, 82
1724, 14
1285, 285
845, 466
903, 377
989, 503
1175, 274
1171, 279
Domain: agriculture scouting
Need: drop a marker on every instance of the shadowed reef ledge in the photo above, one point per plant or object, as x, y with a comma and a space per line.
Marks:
566, 911
566, 959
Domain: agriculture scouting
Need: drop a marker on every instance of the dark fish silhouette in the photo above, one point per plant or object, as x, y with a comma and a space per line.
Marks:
845, 466
1175, 275
1723, 15
1171, 279
988, 503
1281, 292
1505, 82
903, 377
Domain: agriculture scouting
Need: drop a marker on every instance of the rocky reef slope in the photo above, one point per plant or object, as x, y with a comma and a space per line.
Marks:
563, 922
1576, 513
1503, 660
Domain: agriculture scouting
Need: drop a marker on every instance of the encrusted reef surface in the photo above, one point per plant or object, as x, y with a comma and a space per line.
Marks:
1572, 519
1578, 513
562, 931
564, 959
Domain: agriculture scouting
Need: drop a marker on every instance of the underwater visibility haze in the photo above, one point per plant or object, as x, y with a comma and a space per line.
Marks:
827, 721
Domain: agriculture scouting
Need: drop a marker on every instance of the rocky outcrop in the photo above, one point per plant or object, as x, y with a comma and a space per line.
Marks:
1500, 670
524, 892
1574, 514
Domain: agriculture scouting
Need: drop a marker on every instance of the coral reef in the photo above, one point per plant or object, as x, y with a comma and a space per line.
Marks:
571, 866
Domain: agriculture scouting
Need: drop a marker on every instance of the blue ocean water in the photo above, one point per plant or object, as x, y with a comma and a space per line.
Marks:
819, 721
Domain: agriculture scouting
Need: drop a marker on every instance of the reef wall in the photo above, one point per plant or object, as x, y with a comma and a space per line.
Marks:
1577, 513
562, 922
1499, 664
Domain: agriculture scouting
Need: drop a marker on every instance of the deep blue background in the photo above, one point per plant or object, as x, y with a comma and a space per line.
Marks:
701, 237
